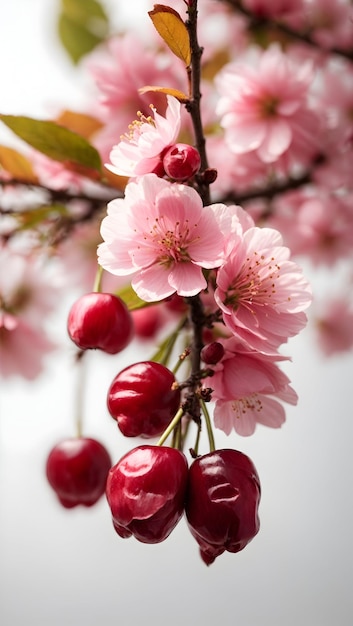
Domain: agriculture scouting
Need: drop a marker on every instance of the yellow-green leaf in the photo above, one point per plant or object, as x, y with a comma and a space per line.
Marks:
131, 299
179, 95
173, 31
31, 218
57, 142
17, 165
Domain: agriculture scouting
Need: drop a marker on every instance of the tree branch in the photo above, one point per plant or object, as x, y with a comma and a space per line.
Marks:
256, 22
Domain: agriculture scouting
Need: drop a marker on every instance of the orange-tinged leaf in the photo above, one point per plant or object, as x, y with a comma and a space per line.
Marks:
118, 182
17, 165
81, 123
173, 31
179, 95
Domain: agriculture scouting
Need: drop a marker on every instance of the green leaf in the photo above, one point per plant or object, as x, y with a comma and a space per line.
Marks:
31, 218
56, 142
82, 25
131, 299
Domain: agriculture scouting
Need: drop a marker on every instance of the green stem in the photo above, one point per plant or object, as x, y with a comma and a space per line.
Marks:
208, 426
97, 287
79, 396
175, 421
196, 446
168, 344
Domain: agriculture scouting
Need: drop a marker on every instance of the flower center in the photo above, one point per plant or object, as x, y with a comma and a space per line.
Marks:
135, 128
268, 106
172, 245
255, 283
249, 403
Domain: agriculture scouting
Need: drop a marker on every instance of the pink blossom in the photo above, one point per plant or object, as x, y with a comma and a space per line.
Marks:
334, 326
274, 9
139, 151
247, 387
27, 288
261, 293
120, 69
27, 296
318, 225
331, 22
264, 108
22, 347
162, 235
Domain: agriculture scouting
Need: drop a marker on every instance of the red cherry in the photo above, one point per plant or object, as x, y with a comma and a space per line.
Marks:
100, 320
142, 400
146, 491
147, 322
222, 502
77, 470
212, 353
181, 161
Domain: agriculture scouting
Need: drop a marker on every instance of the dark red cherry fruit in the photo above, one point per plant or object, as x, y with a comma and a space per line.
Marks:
222, 502
146, 492
142, 400
77, 470
100, 320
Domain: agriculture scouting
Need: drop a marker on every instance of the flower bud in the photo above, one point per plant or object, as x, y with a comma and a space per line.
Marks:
181, 162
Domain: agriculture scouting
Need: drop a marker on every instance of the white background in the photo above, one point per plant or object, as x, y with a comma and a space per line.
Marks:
67, 568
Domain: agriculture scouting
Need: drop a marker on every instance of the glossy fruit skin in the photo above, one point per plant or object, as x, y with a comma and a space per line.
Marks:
77, 470
181, 162
142, 400
100, 320
222, 502
146, 492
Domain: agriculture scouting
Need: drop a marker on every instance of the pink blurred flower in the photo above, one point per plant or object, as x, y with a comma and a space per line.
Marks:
27, 288
274, 9
334, 326
318, 225
120, 69
23, 348
247, 387
261, 293
264, 108
162, 235
331, 22
139, 151
27, 296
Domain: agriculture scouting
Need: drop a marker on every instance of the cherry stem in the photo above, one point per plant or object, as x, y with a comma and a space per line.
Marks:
97, 287
175, 421
196, 446
168, 344
79, 396
208, 426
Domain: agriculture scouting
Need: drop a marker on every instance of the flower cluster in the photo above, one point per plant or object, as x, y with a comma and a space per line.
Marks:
203, 173
166, 241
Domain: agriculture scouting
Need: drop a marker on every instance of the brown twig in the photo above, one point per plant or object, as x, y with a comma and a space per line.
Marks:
307, 37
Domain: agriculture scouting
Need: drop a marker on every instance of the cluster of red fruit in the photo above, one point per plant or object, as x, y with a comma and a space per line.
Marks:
151, 486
